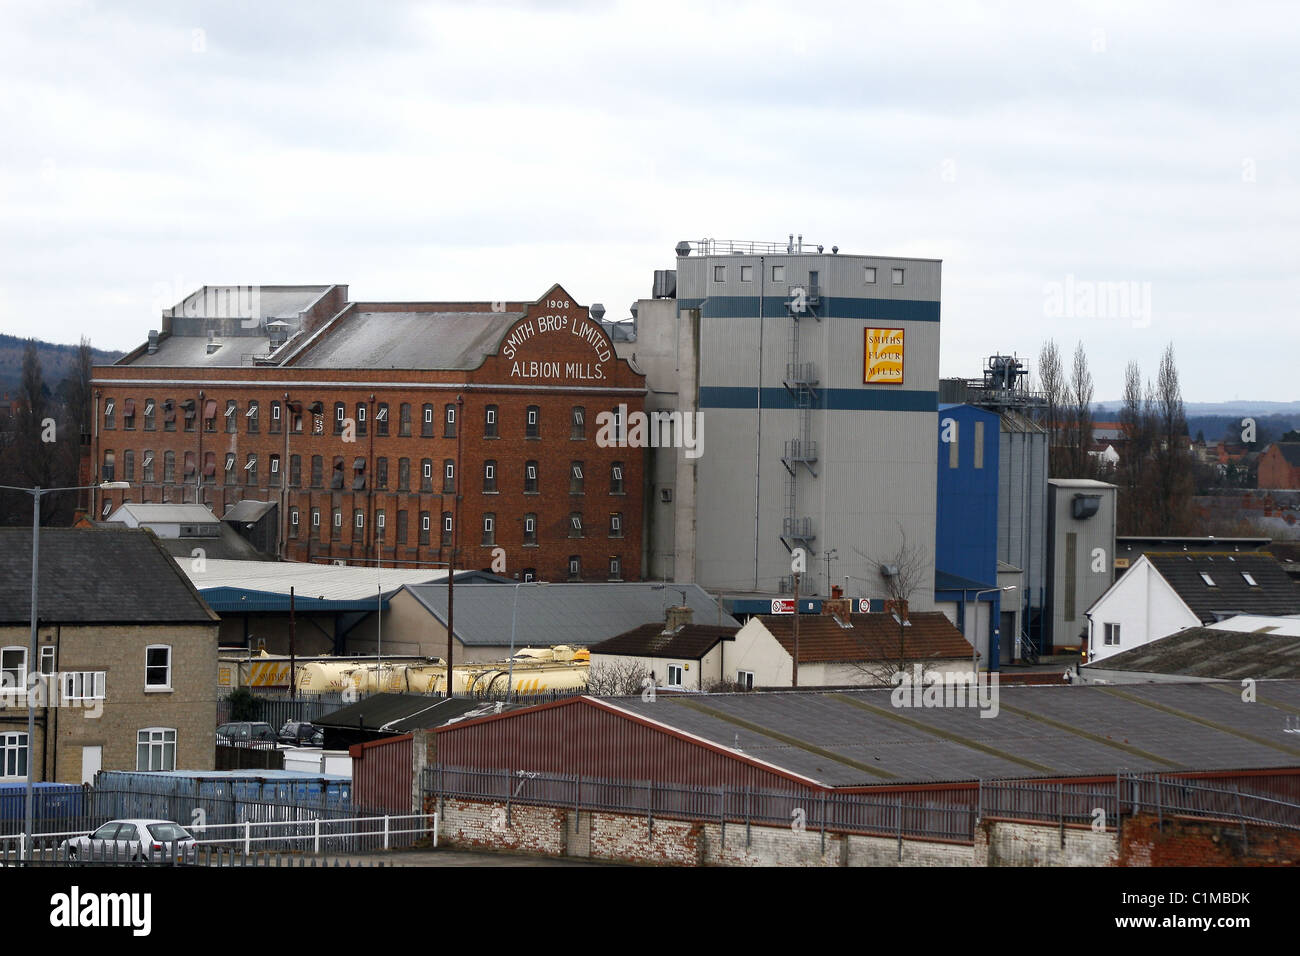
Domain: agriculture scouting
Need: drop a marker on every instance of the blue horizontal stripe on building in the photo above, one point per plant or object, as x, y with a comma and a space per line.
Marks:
832, 307
832, 399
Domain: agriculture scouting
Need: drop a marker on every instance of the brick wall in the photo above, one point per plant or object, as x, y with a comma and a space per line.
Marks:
1193, 843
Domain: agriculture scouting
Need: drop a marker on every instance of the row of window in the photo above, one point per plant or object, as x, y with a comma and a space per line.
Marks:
575, 526
778, 275
84, 685
252, 416
246, 472
155, 749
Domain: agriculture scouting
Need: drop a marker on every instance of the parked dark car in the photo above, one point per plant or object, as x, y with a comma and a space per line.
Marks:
300, 733
246, 733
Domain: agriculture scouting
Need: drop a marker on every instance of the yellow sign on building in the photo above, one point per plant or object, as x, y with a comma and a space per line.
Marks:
882, 357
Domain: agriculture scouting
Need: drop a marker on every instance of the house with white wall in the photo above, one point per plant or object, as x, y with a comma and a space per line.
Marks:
1164, 592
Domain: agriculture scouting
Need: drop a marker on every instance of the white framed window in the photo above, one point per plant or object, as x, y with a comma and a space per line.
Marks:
615, 568
338, 518
448, 471
158, 667
896, 276
1246, 576
315, 517
379, 520
13, 667
47, 660
674, 675
868, 277
778, 273
719, 273
359, 519
446, 523
108, 506
13, 756
1112, 635
746, 273
1208, 580
532, 472
155, 749
230, 461
275, 464
745, 679
489, 471
424, 523
428, 469
575, 566
275, 411
293, 517
530, 524
84, 685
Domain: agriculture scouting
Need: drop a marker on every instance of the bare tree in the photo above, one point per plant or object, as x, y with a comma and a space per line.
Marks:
903, 573
1079, 417
1175, 482
617, 678
1132, 473
1051, 380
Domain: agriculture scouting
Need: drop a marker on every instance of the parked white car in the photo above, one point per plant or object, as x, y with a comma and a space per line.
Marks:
152, 841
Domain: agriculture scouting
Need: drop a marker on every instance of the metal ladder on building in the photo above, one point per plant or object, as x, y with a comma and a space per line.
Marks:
801, 383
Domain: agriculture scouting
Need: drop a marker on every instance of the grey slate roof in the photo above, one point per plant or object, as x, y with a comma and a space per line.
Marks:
1210, 652
416, 339
690, 642
580, 614
247, 510
96, 576
1276, 593
857, 738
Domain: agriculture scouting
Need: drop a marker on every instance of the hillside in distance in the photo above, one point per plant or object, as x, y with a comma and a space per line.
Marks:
57, 361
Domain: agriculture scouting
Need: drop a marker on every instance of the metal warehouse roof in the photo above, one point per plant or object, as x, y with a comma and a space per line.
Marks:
112, 575
581, 614
1212, 652
155, 513
400, 713
325, 582
858, 738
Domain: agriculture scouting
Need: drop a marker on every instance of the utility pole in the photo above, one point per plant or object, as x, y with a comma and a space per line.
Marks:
293, 634
455, 543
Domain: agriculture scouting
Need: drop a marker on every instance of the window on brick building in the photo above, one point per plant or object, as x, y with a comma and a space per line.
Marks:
616, 478
401, 527
446, 529
252, 418
250, 470
449, 422
191, 465
229, 472
274, 477
426, 421
340, 413
146, 466
616, 524
489, 477
575, 567
110, 413
530, 528
576, 481
403, 474
336, 523
575, 524
489, 529
169, 467
404, 420
293, 522
530, 478
426, 474
532, 422
381, 419
615, 568
109, 471
490, 422
448, 476
381, 474
578, 423
317, 471
361, 419
231, 416
424, 527
380, 522
209, 467
275, 418
209, 415
295, 471
169, 415
148, 414
128, 413
189, 411
336, 475
358, 474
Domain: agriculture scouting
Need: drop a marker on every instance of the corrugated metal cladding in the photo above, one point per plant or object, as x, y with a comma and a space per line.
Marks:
579, 736
381, 774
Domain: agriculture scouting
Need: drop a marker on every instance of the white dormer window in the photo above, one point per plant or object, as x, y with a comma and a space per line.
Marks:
1208, 580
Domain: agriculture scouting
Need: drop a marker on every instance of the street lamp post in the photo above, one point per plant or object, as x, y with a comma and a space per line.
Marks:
36, 494
514, 613
974, 648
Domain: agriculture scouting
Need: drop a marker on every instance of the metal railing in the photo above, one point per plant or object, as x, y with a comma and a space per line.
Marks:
724, 247
951, 813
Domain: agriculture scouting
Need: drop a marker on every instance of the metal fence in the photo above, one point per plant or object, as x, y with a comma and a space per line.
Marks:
938, 813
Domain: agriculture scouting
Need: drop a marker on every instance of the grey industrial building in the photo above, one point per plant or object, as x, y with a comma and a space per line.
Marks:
816, 373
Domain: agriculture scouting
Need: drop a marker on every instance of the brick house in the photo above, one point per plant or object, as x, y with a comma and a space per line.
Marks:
127, 650
371, 425
1279, 466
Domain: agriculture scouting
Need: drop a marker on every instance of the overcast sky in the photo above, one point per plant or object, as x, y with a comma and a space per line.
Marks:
480, 151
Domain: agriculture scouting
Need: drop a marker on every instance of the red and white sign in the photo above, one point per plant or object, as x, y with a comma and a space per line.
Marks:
782, 606
864, 605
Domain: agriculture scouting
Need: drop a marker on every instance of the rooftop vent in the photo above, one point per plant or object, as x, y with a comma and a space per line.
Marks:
683, 248
597, 311
153, 341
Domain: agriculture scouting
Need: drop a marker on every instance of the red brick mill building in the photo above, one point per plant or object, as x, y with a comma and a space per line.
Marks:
362, 421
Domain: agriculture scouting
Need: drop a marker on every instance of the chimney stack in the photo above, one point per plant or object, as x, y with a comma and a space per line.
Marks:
153, 341
837, 606
897, 607
676, 618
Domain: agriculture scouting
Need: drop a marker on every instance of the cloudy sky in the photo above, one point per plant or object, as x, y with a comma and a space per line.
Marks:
1087, 172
